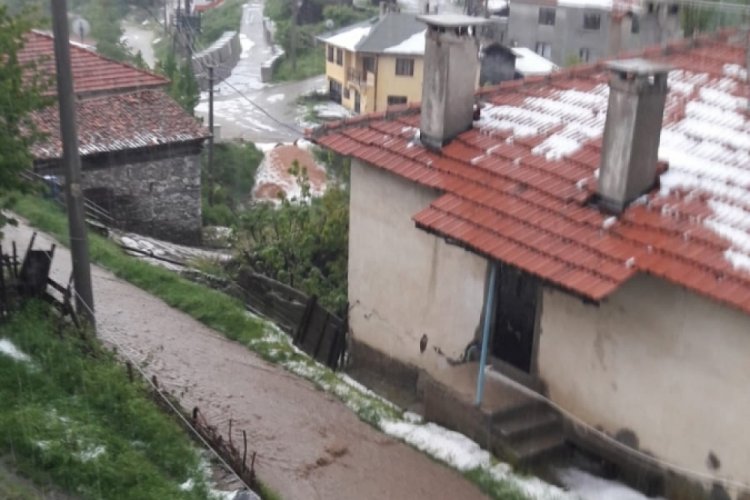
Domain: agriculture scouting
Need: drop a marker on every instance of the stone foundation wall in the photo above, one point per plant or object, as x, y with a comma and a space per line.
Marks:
159, 198
223, 55
153, 194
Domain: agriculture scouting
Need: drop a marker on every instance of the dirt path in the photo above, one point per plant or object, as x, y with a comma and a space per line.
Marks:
310, 446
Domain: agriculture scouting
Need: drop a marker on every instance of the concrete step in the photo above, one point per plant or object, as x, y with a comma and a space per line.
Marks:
539, 447
523, 410
525, 425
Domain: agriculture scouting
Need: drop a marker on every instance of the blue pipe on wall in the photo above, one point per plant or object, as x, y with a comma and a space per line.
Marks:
489, 307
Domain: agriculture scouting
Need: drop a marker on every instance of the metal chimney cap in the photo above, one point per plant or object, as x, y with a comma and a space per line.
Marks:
452, 20
638, 67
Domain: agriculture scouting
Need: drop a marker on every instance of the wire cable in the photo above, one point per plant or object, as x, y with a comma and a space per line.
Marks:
196, 44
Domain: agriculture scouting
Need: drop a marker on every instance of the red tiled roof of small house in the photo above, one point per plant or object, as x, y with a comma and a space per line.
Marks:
92, 73
117, 122
518, 186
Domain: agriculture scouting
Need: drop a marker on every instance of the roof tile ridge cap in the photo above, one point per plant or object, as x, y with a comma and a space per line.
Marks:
336, 125
362, 40
565, 73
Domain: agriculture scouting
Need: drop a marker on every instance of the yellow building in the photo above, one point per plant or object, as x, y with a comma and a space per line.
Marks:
370, 66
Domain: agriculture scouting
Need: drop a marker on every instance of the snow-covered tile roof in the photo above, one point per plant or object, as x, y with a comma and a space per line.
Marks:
414, 45
348, 39
529, 63
518, 186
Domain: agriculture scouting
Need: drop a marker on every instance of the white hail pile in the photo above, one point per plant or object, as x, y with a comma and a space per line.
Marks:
707, 150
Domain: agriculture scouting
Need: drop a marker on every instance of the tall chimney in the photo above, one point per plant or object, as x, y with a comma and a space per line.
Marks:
637, 93
451, 72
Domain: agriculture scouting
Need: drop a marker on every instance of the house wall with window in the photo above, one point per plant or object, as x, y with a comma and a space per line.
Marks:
389, 83
405, 283
563, 34
334, 71
382, 82
568, 34
653, 344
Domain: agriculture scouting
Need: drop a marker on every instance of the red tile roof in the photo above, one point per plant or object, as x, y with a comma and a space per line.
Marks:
92, 73
517, 186
275, 177
116, 122
208, 6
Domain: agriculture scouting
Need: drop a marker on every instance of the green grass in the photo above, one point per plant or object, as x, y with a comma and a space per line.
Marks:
14, 488
228, 316
216, 21
495, 489
212, 308
74, 419
310, 62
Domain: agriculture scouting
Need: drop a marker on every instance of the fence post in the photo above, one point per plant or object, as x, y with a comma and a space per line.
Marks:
301, 333
322, 334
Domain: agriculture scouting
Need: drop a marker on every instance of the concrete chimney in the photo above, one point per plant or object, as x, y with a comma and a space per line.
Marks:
637, 93
451, 72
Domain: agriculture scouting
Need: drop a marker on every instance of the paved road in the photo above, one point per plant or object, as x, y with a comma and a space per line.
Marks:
235, 113
310, 446
139, 38
238, 99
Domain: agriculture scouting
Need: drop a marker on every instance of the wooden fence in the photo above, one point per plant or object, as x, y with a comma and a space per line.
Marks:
313, 329
27, 278
97, 218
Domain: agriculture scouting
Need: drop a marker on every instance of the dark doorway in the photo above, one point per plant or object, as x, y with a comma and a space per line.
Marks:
516, 295
357, 103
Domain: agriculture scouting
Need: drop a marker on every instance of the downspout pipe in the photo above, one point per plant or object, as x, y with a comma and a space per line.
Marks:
489, 307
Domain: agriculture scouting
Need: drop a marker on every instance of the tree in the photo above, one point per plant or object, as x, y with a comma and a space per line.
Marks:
227, 188
303, 242
21, 92
183, 87
105, 17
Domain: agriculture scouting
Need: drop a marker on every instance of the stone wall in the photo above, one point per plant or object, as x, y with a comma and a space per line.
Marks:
223, 55
154, 193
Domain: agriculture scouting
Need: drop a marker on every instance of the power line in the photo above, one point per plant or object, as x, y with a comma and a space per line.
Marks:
195, 43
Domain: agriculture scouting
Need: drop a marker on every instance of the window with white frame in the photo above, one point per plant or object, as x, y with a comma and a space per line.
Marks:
404, 67
547, 16
544, 49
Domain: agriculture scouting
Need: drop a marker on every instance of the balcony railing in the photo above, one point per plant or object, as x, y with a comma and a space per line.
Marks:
359, 77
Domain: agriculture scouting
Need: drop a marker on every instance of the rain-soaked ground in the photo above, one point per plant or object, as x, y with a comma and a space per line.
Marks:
309, 444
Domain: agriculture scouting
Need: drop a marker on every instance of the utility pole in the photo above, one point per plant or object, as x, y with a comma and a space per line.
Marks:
188, 31
79, 248
166, 17
293, 51
211, 139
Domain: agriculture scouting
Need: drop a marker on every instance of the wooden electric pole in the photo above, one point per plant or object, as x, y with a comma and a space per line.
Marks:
210, 168
293, 27
79, 248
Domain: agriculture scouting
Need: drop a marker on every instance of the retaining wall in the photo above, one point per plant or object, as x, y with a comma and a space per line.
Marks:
223, 55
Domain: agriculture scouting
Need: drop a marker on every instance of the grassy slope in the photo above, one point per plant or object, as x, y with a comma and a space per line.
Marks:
75, 420
216, 21
228, 316
310, 62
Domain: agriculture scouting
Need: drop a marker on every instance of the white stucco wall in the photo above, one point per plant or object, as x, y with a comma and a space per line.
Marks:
404, 282
663, 362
